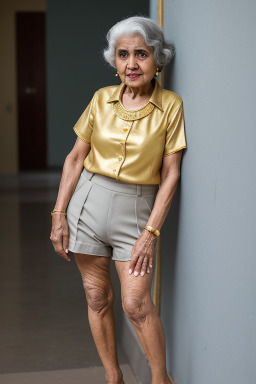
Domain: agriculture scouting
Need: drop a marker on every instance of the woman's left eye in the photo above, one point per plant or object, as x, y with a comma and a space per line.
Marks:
142, 54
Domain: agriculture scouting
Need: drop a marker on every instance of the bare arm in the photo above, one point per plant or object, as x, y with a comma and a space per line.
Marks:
72, 169
142, 258
170, 174
71, 172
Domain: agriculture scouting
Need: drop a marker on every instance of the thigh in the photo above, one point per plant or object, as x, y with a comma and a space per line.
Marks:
133, 285
95, 270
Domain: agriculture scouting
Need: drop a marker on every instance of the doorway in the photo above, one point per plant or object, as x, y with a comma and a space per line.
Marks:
31, 90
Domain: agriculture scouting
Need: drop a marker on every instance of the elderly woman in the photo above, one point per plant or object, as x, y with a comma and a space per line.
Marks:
116, 190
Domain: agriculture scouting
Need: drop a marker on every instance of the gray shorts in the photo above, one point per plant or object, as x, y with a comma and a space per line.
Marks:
106, 216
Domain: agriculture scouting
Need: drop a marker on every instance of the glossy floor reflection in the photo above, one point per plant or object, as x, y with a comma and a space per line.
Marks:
43, 323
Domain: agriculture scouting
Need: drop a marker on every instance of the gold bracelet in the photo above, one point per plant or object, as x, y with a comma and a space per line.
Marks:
152, 230
58, 210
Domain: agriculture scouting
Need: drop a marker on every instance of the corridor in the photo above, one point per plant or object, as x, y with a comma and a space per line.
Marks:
45, 334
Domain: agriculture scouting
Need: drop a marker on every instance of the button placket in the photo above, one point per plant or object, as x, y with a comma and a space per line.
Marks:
128, 125
121, 158
126, 129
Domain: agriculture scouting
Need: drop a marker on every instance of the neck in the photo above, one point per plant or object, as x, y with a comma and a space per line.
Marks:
144, 90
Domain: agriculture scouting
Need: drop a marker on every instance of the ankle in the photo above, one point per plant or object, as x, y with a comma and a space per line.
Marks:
161, 380
114, 377
115, 381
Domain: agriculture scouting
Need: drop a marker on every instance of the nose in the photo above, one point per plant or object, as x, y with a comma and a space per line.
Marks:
132, 62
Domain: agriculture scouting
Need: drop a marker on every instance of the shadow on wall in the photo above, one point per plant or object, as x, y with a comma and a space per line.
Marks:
170, 240
168, 75
170, 233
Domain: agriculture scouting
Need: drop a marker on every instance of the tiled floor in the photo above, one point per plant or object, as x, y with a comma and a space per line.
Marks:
93, 375
44, 329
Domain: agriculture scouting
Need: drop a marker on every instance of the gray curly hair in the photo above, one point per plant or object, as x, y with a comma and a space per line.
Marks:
151, 32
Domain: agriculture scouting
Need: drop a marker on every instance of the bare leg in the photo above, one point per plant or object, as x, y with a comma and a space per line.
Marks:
138, 306
100, 298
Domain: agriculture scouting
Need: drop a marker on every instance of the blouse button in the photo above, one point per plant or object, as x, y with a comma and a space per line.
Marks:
120, 158
121, 143
114, 170
125, 129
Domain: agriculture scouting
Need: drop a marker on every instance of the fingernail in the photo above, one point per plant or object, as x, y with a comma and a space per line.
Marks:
142, 273
130, 271
136, 273
66, 250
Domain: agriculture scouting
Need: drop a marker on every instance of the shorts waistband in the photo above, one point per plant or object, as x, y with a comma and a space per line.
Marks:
121, 186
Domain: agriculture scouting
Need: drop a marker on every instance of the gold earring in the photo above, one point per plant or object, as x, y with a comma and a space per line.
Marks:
157, 71
116, 74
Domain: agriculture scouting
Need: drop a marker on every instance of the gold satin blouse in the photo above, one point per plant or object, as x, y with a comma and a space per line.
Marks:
130, 145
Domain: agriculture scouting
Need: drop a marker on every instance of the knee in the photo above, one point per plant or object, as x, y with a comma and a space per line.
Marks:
136, 307
99, 298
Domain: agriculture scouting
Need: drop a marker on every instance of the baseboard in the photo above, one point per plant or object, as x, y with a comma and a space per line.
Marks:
172, 380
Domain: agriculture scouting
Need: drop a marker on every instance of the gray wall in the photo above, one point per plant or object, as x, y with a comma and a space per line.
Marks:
76, 69
208, 271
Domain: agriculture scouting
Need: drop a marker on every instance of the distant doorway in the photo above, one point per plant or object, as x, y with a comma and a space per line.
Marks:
31, 90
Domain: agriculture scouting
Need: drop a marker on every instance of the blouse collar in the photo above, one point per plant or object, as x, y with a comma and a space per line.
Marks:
156, 97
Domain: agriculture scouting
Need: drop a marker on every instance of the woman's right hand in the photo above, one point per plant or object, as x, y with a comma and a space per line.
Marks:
60, 234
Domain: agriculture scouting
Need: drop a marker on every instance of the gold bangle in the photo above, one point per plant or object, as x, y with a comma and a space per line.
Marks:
58, 210
152, 230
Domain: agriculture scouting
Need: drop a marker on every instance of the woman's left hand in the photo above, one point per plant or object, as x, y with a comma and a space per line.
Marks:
142, 254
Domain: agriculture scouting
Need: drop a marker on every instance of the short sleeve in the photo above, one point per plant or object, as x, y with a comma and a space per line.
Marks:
175, 134
84, 126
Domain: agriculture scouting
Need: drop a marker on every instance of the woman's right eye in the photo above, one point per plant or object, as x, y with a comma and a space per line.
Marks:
122, 54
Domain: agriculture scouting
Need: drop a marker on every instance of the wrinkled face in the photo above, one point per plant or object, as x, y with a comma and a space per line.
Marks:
135, 61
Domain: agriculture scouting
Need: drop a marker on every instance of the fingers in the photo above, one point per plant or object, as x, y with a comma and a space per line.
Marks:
58, 246
144, 266
65, 240
151, 262
60, 237
132, 263
140, 265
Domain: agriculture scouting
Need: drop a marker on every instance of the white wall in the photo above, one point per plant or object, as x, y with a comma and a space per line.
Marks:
208, 272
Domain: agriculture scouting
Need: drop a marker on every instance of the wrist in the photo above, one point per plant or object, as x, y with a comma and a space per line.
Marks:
59, 209
152, 230
148, 234
58, 212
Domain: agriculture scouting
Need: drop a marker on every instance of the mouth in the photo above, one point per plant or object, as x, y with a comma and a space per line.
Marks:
134, 75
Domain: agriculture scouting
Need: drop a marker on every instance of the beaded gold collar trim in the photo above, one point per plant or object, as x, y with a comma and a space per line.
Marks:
125, 114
